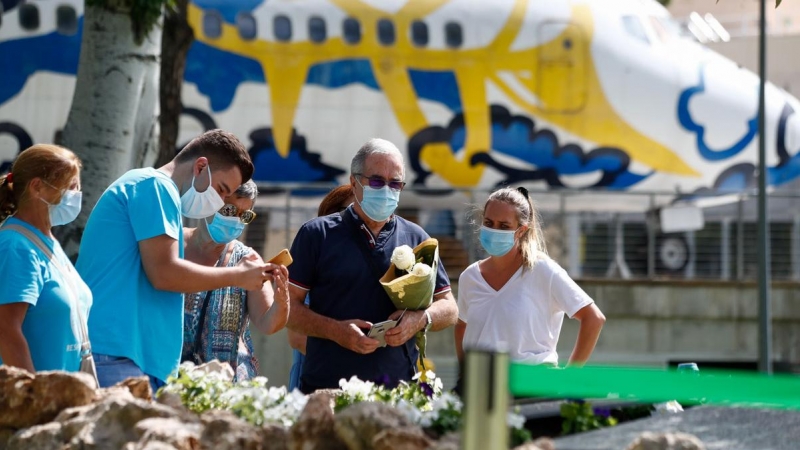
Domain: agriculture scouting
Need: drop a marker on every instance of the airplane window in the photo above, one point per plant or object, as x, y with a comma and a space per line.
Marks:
635, 28
386, 32
66, 20
246, 24
282, 28
316, 29
351, 29
419, 33
28, 16
453, 35
212, 24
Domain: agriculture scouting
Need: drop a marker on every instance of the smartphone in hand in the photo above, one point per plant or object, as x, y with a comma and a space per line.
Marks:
378, 331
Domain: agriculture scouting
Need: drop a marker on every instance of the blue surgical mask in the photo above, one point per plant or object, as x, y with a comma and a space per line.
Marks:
224, 229
67, 209
379, 204
497, 242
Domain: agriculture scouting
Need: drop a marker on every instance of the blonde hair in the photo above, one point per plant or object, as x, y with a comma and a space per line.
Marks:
55, 165
531, 244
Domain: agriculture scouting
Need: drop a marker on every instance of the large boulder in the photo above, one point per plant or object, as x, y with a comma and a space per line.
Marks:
225, 431
173, 432
400, 439
314, 429
27, 399
666, 441
358, 425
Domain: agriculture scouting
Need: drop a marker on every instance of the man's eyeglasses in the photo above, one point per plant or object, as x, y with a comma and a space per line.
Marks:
377, 182
245, 216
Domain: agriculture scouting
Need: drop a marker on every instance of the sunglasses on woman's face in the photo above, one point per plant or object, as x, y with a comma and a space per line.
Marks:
245, 216
376, 182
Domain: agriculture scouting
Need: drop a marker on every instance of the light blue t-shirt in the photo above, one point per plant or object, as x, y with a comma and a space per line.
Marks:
51, 325
131, 318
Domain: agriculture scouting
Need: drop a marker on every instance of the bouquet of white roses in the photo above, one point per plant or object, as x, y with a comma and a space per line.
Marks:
411, 279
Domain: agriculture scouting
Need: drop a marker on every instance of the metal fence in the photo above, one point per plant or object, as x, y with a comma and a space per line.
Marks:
592, 234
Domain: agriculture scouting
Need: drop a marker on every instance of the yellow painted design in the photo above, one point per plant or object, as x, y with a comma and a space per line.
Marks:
565, 84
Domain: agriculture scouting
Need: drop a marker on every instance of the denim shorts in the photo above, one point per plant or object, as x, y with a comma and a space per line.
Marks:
113, 369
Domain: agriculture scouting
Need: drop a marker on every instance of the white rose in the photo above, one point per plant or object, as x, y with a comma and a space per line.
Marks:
403, 257
421, 270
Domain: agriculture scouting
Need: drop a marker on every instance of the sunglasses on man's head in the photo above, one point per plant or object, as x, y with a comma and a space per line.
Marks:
245, 216
377, 182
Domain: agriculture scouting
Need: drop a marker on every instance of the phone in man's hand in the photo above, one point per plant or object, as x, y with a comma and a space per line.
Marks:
378, 331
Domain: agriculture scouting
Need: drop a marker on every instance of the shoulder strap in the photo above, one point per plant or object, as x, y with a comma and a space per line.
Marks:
201, 322
66, 274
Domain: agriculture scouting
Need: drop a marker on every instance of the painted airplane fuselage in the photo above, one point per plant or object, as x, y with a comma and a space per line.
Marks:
597, 94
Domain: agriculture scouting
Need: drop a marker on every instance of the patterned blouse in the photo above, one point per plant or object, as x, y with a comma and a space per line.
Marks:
226, 331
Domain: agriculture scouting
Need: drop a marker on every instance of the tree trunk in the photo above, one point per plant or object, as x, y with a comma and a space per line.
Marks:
175, 43
113, 121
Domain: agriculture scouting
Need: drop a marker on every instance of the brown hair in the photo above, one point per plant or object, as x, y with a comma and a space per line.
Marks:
332, 203
55, 165
222, 149
531, 243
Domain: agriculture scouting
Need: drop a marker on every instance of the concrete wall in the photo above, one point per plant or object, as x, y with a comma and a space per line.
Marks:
649, 323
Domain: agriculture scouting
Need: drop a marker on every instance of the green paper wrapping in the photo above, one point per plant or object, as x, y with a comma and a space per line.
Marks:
412, 292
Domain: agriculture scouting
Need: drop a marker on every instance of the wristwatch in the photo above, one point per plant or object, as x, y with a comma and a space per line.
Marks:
428, 320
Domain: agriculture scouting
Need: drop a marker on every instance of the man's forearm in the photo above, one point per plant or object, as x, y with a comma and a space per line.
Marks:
309, 323
186, 276
443, 311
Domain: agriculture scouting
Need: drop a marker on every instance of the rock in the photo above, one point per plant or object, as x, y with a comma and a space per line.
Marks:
314, 429
666, 441
538, 444
358, 424
5, 435
401, 439
177, 434
224, 431
40, 437
139, 387
111, 423
450, 441
27, 399
214, 366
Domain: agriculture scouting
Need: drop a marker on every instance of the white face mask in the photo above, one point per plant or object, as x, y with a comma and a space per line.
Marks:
199, 205
66, 210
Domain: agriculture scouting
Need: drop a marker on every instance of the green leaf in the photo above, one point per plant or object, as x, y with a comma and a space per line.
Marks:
777, 3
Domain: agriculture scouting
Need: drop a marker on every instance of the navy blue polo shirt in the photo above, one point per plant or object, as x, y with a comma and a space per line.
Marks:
330, 261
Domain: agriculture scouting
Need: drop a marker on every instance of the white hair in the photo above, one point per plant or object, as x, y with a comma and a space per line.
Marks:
374, 146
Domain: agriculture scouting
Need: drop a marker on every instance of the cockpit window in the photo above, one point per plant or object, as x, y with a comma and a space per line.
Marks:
634, 27
351, 29
212, 24
28, 16
386, 32
66, 20
246, 24
282, 28
419, 33
317, 31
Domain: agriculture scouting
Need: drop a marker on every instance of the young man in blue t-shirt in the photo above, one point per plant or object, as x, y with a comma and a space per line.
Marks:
338, 261
131, 256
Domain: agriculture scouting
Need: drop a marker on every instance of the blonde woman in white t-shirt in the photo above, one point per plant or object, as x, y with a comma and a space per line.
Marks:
516, 298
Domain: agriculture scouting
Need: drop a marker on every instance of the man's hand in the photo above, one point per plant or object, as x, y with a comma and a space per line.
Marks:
352, 338
408, 326
253, 273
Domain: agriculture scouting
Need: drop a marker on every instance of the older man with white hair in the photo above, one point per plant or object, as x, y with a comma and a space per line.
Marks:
338, 261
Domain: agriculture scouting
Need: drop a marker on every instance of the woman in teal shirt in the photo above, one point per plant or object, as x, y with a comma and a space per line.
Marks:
43, 308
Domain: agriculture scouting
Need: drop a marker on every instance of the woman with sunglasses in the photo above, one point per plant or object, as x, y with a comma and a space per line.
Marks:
517, 297
216, 323
44, 303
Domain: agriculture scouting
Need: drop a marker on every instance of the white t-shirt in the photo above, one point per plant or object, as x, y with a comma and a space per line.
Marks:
524, 317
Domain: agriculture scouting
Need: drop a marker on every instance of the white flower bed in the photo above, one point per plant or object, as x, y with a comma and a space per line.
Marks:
421, 400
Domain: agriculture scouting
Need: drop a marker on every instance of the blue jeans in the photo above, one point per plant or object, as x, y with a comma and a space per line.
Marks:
113, 369
297, 369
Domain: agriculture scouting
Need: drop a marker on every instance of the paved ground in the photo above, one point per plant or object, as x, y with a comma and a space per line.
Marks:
718, 428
